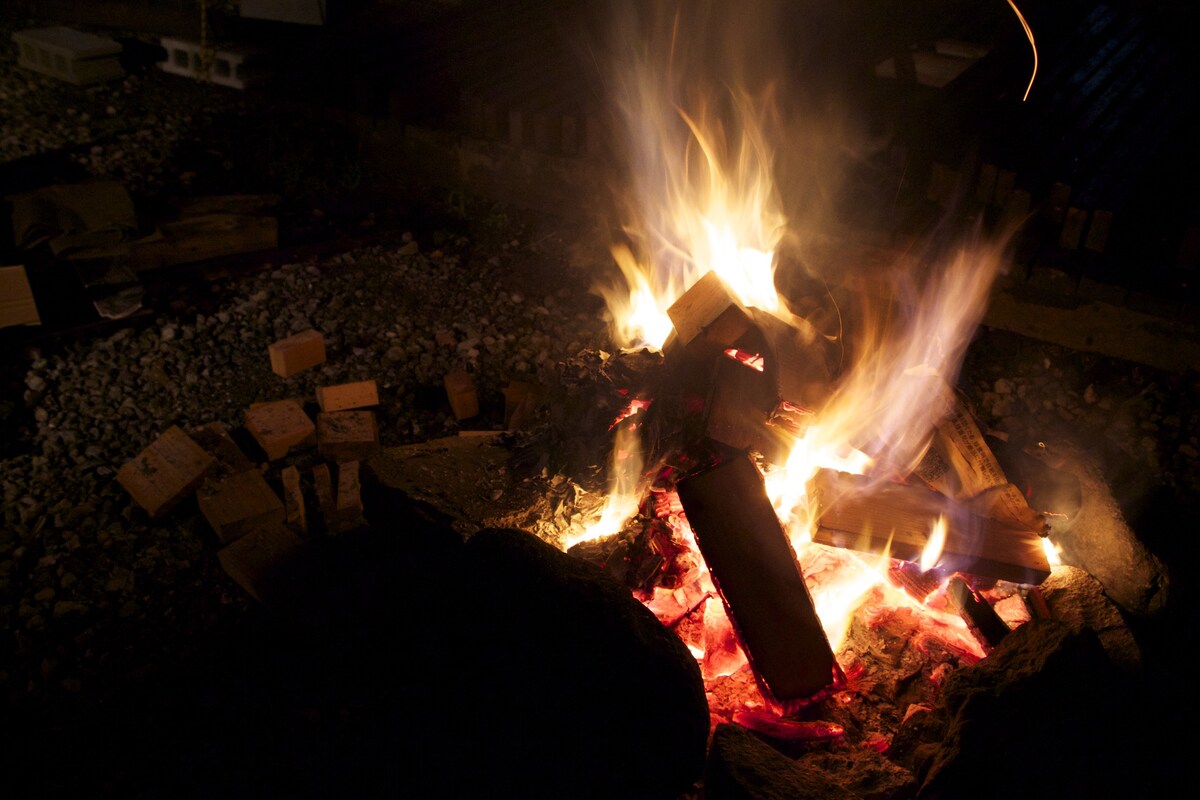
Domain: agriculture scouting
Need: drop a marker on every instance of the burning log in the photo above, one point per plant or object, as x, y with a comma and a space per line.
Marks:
708, 313
980, 617
898, 519
737, 409
788, 730
754, 568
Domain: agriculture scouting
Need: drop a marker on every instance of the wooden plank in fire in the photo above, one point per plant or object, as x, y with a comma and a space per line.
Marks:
709, 313
795, 362
755, 570
857, 513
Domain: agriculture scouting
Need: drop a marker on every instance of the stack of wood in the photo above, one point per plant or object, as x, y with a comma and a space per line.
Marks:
753, 382
255, 500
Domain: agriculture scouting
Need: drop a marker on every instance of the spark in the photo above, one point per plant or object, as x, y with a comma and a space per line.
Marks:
1032, 44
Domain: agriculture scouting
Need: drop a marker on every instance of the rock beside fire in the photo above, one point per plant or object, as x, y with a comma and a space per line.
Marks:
1011, 724
742, 767
1099, 540
575, 689
1078, 599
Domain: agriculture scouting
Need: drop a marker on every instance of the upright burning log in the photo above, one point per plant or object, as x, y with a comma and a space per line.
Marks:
754, 568
708, 314
855, 513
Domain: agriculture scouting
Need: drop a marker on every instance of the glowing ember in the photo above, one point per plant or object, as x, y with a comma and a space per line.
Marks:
752, 360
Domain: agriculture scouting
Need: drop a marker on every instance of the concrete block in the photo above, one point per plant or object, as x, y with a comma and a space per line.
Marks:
280, 426
347, 435
236, 66
297, 352
238, 504
167, 471
68, 54
346, 396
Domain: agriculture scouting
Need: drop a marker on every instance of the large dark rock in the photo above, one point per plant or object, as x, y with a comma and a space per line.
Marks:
1045, 715
572, 688
742, 767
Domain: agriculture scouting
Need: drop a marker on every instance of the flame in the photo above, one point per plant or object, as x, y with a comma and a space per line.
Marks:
1032, 45
933, 548
625, 487
1053, 552
704, 198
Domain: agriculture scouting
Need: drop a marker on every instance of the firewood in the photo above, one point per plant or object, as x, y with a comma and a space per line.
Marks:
323, 486
709, 312
297, 352
167, 471
347, 396
347, 435
979, 615
239, 503
859, 514
280, 426
755, 570
293, 500
215, 439
788, 730
348, 506
263, 562
737, 410
460, 391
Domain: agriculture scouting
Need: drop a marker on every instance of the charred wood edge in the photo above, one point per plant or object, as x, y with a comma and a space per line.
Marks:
788, 730
980, 617
918, 583
898, 518
1035, 602
747, 553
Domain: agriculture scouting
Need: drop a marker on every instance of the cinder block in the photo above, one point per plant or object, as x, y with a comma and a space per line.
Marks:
215, 439
347, 435
460, 390
68, 54
238, 504
293, 500
346, 396
235, 66
349, 507
263, 562
280, 426
297, 352
165, 472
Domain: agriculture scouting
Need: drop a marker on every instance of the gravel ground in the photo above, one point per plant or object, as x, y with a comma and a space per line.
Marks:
94, 595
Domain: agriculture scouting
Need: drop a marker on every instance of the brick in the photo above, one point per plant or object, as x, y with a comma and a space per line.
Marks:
215, 439
280, 426
238, 504
297, 352
323, 486
460, 390
165, 472
263, 562
293, 500
347, 396
349, 509
347, 435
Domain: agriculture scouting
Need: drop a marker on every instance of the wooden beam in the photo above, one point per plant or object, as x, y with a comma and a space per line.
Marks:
856, 513
755, 570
